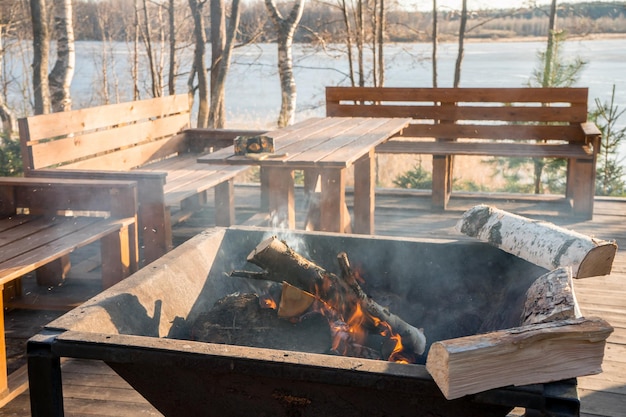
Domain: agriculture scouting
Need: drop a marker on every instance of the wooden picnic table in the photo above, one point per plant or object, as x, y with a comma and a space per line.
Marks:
323, 148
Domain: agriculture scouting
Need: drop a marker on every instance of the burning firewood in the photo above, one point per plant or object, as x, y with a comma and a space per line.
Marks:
343, 294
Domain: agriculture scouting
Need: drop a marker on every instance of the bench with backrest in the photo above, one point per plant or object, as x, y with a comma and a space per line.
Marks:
43, 220
501, 122
145, 141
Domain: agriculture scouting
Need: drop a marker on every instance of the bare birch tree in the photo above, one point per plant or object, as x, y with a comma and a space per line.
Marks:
461, 52
285, 28
222, 42
173, 63
199, 68
435, 42
151, 54
346, 21
6, 115
379, 42
41, 41
60, 78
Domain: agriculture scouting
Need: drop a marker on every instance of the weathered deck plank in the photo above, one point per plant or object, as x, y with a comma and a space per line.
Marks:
93, 389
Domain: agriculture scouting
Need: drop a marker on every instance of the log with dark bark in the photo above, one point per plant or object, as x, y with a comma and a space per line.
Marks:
541, 243
280, 263
551, 298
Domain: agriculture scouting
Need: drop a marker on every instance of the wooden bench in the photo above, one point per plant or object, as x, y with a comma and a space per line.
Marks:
147, 141
503, 122
37, 233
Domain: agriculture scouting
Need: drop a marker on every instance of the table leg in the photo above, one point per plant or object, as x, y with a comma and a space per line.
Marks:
364, 194
333, 200
281, 197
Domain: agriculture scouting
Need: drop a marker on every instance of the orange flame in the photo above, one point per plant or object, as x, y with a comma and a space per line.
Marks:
351, 326
267, 301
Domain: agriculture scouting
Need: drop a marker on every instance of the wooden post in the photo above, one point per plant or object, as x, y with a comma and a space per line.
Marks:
225, 203
333, 201
281, 196
364, 194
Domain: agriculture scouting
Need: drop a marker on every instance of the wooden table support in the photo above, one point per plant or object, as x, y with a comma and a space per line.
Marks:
324, 148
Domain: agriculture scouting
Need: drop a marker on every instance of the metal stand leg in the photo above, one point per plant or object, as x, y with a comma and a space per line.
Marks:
44, 378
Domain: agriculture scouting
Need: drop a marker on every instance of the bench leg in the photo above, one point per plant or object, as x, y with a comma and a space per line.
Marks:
265, 192
54, 272
154, 220
119, 255
4, 377
225, 203
442, 181
581, 186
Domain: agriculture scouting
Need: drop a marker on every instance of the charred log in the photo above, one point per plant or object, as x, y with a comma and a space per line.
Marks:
280, 263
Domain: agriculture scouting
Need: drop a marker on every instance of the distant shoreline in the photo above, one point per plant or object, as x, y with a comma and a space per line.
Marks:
589, 37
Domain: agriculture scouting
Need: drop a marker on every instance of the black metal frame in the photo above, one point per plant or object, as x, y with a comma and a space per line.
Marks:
45, 350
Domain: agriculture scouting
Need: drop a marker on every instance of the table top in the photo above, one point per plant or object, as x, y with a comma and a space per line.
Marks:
326, 142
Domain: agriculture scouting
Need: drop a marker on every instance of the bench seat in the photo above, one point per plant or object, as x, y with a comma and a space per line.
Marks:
42, 221
147, 141
499, 122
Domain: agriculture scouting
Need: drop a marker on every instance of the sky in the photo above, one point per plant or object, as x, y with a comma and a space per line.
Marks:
478, 4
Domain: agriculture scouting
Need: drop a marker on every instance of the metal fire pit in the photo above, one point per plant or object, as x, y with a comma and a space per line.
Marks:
134, 327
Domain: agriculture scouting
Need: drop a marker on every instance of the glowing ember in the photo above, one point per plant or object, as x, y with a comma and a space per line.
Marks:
266, 301
350, 334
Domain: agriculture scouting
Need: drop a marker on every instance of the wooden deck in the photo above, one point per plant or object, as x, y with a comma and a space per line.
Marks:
91, 388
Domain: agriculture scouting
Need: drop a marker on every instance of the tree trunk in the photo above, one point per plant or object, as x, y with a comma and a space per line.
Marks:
360, 41
380, 35
173, 67
435, 42
285, 28
549, 58
346, 21
60, 77
6, 115
459, 57
41, 40
147, 39
220, 60
544, 244
218, 42
199, 66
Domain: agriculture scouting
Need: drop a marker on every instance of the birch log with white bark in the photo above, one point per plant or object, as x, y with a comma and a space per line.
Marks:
542, 243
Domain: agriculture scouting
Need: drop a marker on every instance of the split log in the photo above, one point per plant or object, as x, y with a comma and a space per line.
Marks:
525, 355
280, 263
541, 243
550, 298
